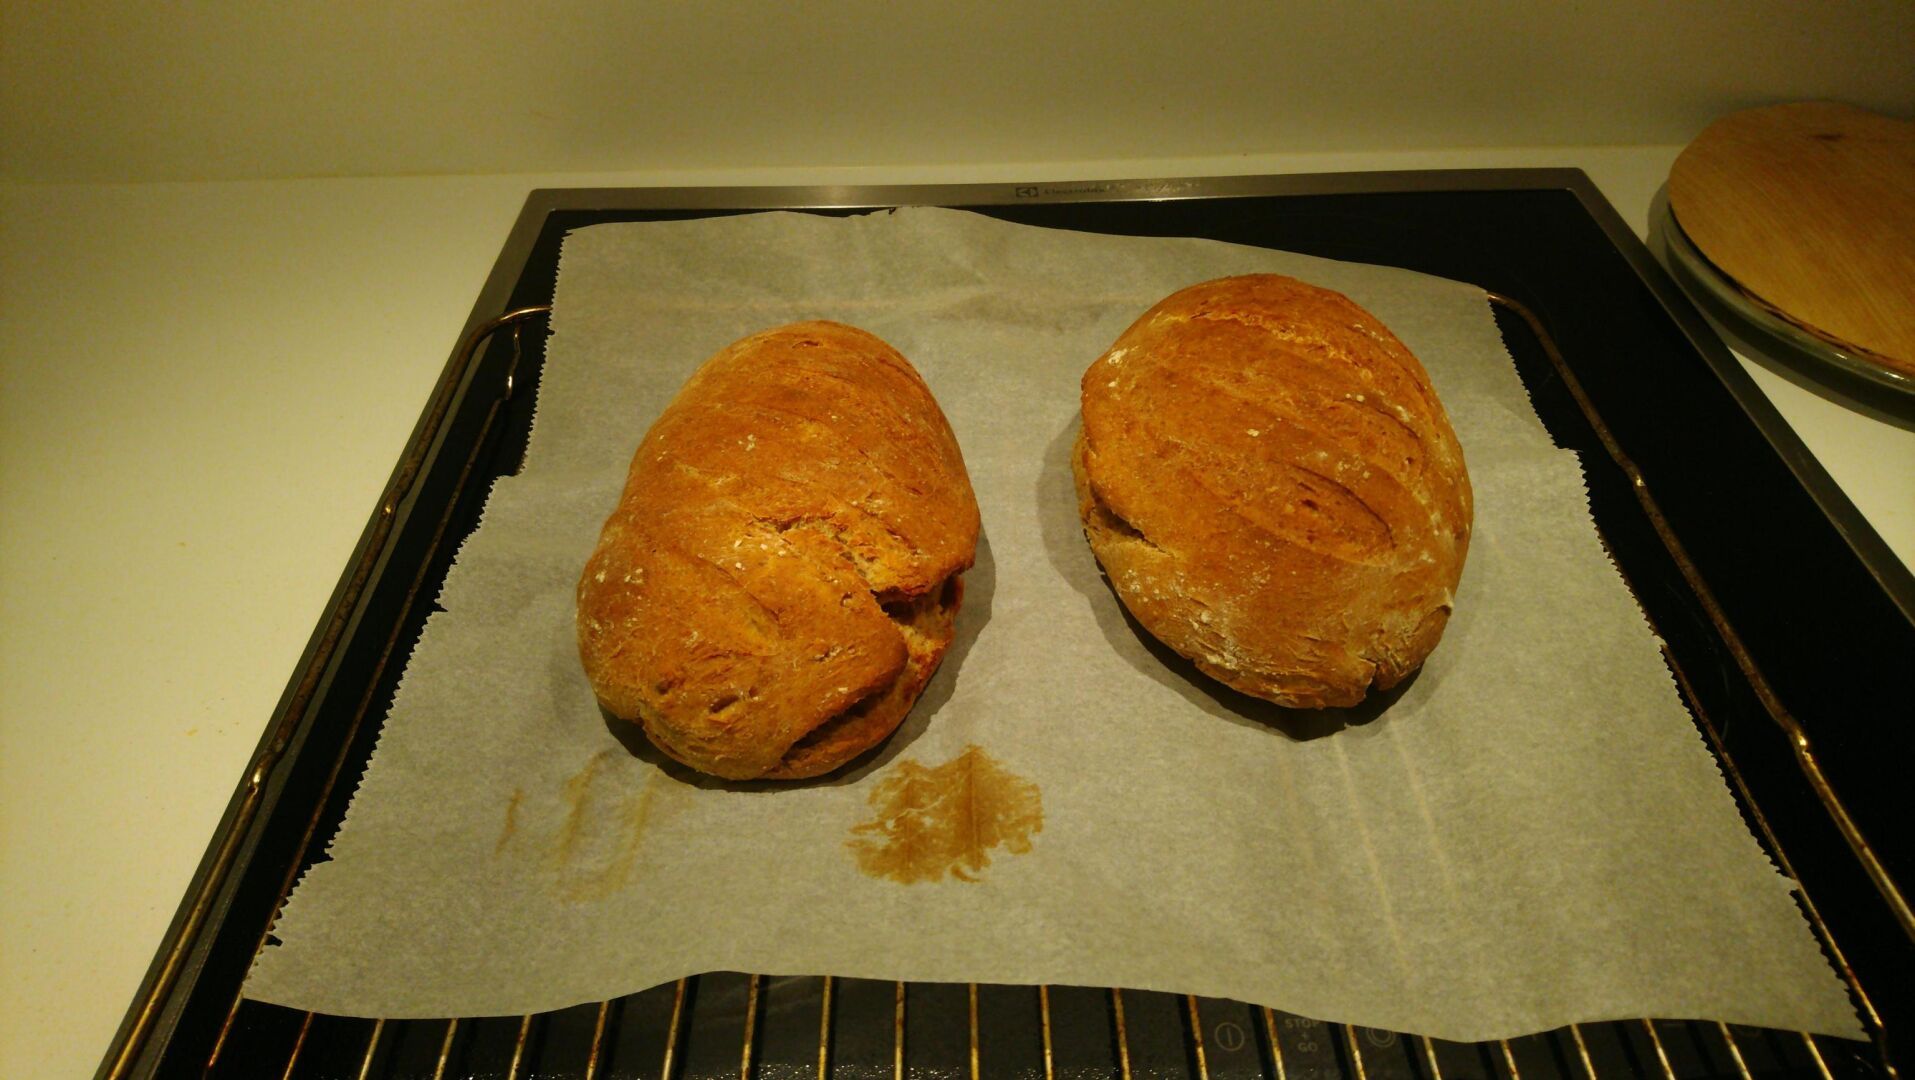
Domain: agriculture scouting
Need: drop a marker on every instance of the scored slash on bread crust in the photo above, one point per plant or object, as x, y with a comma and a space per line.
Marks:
779, 579
1273, 489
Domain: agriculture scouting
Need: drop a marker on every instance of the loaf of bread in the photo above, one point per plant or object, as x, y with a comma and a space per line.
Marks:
1273, 489
780, 578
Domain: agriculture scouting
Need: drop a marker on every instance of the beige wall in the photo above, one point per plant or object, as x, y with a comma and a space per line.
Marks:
105, 91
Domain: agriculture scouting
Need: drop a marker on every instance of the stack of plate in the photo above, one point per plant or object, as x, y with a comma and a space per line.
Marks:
1794, 227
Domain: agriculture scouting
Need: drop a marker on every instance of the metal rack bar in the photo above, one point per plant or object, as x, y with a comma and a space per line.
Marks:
299, 1042
1735, 1052
751, 1029
1123, 1037
1197, 1037
973, 995
1429, 1055
518, 1047
1582, 1051
1815, 1052
598, 1039
671, 1032
1276, 1048
372, 1048
1044, 1009
445, 1049
897, 1043
1356, 1052
824, 1032
1509, 1060
1662, 1056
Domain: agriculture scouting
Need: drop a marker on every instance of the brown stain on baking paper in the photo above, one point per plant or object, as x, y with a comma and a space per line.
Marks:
511, 827
599, 841
946, 819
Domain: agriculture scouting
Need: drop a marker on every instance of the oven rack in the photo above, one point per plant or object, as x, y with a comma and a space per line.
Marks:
1175, 1037
729, 1024
722, 1024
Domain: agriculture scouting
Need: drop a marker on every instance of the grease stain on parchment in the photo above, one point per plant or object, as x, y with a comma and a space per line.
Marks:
946, 819
511, 827
599, 841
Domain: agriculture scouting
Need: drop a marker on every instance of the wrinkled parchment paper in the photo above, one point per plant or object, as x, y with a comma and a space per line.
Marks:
1532, 833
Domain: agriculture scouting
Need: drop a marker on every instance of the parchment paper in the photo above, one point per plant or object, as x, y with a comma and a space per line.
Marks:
1532, 833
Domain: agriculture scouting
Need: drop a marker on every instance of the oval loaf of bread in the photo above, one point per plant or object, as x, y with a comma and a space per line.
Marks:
1273, 489
780, 578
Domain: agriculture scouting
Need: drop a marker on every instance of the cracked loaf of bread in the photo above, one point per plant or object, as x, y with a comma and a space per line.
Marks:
780, 578
1273, 489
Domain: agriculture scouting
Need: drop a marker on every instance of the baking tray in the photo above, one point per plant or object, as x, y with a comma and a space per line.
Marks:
1786, 623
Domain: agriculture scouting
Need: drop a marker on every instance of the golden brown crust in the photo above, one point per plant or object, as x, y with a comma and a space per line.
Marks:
1275, 492
802, 482
928, 624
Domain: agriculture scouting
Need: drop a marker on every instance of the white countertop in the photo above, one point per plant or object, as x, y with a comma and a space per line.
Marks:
205, 388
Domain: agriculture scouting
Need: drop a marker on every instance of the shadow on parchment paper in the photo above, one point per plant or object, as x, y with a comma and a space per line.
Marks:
980, 585
1070, 553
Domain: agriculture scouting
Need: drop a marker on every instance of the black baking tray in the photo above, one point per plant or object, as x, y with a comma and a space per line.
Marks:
1787, 623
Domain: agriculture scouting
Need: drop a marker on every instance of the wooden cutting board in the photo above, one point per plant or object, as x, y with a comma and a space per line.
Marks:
1810, 209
